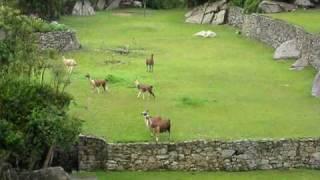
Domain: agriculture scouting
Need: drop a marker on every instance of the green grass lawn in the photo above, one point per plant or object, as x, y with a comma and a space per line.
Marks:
254, 175
226, 87
309, 19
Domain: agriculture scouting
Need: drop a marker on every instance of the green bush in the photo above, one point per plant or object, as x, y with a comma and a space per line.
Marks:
251, 6
165, 4
33, 117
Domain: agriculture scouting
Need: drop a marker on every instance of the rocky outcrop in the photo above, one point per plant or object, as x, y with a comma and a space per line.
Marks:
113, 4
304, 3
287, 50
59, 40
243, 155
101, 4
316, 91
209, 13
275, 7
83, 8
52, 173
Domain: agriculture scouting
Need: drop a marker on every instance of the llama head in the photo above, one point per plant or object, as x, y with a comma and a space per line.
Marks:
136, 82
145, 113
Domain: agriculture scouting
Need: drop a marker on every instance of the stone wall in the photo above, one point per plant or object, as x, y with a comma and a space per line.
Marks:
92, 153
59, 40
200, 155
275, 32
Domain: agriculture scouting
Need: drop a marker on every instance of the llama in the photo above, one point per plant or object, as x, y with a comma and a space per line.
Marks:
150, 63
96, 84
69, 63
156, 125
143, 88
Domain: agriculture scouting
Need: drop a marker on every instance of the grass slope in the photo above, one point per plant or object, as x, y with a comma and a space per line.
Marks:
224, 87
254, 175
309, 19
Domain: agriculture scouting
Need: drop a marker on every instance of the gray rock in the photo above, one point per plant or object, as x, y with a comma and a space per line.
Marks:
137, 4
114, 4
227, 153
270, 7
300, 64
101, 4
316, 86
213, 13
197, 18
316, 156
275, 7
83, 8
219, 18
52, 173
207, 19
304, 3
287, 50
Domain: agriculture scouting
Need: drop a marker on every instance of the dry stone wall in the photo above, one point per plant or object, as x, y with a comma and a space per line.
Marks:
275, 32
244, 155
59, 40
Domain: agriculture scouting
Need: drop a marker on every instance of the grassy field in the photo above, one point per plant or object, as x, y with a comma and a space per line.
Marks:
309, 19
254, 175
226, 87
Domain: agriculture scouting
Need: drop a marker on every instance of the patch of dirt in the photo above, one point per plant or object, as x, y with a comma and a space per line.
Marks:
123, 14
113, 62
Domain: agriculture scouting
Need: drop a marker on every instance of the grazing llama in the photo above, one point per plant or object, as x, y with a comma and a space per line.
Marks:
143, 88
69, 63
156, 125
96, 84
150, 63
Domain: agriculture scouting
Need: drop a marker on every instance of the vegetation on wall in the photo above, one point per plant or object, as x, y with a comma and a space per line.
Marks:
249, 6
33, 112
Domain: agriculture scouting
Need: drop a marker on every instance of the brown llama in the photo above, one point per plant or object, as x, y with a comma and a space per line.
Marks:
143, 88
96, 83
150, 63
156, 125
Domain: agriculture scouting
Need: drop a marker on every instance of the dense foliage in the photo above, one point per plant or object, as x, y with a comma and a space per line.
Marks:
249, 6
33, 112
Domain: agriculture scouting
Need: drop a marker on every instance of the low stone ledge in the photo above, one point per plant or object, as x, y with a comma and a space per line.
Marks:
59, 40
200, 155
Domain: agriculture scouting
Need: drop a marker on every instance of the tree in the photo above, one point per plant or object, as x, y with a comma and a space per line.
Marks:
33, 113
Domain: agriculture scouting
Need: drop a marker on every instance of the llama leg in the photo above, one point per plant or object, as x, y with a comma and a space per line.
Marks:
139, 94
98, 90
142, 95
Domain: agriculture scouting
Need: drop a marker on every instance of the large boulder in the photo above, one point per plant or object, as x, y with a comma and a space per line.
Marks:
208, 13
300, 64
114, 4
219, 18
52, 173
83, 8
316, 86
101, 4
304, 3
275, 7
287, 50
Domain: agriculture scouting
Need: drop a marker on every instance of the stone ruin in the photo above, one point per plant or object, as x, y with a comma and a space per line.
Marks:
83, 8
209, 13
268, 6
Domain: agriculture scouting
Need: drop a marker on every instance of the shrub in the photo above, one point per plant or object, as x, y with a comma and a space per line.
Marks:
165, 4
251, 6
33, 118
